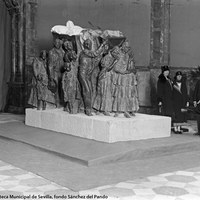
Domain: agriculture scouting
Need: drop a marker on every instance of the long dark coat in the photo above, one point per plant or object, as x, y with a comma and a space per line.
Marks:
180, 98
196, 95
164, 95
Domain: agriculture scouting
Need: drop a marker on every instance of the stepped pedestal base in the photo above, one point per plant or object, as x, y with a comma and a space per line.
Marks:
100, 128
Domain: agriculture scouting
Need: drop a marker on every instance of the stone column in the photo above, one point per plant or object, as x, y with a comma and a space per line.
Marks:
160, 32
20, 62
31, 49
15, 97
165, 30
13, 41
160, 41
13, 10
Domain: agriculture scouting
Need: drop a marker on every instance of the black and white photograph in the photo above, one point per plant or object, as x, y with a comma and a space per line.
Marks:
100, 99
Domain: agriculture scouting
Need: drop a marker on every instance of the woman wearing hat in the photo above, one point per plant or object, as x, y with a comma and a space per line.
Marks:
180, 101
164, 92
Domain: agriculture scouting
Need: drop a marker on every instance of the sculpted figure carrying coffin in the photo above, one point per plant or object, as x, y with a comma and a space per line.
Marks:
104, 99
86, 67
70, 84
55, 64
125, 97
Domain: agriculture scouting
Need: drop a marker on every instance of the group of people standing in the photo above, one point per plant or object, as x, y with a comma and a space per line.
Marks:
173, 100
172, 97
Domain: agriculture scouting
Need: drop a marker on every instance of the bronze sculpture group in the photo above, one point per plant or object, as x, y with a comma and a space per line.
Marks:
91, 77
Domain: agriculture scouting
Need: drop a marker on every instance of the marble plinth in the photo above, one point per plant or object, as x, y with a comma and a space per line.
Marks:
101, 128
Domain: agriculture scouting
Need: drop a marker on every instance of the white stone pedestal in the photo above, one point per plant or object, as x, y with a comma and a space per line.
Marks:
101, 128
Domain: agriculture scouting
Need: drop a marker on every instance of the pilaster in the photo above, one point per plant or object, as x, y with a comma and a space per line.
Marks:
23, 40
160, 41
160, 33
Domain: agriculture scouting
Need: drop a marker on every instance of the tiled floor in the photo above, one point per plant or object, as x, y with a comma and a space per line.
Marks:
16, 183
179, 185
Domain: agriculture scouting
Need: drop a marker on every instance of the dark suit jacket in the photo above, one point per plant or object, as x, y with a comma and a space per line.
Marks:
196, 95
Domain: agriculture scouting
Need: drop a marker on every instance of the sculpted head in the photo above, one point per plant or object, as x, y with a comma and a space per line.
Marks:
68, 45
57, 43
125, 47
87, 44
43, 54
115, 52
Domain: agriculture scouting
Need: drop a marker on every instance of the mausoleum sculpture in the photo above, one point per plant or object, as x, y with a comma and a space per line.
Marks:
93, 71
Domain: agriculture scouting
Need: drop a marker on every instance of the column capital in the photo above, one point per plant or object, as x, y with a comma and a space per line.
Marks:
13, 6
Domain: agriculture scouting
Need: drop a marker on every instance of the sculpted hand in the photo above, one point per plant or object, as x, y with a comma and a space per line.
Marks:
105, 42
39, 77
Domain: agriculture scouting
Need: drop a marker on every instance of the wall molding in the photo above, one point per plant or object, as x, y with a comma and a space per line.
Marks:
176, 68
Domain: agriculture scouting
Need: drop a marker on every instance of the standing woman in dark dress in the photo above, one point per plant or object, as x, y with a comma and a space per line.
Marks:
164, 92
180, 100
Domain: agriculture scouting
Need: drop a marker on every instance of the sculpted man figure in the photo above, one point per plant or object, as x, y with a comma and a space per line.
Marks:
70, 84
86, 66
41, 77
55, 65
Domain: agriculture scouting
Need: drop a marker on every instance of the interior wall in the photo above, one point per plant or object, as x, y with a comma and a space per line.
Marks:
132, 17
5, 54
185, 33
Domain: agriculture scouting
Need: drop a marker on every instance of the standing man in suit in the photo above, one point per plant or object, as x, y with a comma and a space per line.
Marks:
196, 101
